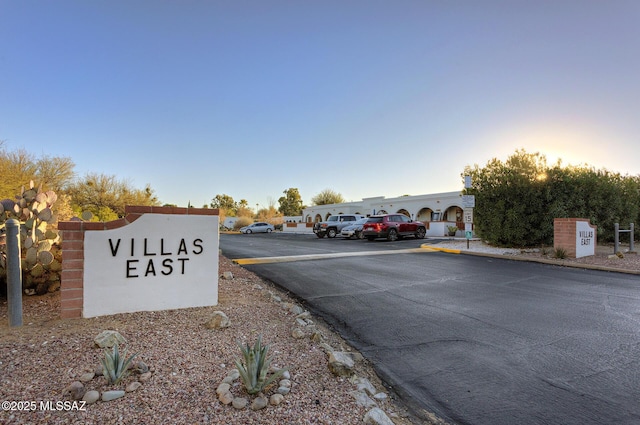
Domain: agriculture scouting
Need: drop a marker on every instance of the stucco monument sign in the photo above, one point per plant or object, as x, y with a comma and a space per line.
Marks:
151, 262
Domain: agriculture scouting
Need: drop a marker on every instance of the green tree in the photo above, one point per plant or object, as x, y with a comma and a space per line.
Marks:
105, 196
226, 204
517, 200
291, 203
327, 197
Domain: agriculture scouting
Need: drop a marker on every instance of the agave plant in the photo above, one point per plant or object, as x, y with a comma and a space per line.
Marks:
115, 365
255, 367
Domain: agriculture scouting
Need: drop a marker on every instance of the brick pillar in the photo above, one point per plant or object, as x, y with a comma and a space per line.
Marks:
72, 276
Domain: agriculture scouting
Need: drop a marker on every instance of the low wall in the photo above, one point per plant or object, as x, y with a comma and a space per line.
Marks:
297, 227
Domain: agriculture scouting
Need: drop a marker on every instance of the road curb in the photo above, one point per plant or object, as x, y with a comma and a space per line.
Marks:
533, 260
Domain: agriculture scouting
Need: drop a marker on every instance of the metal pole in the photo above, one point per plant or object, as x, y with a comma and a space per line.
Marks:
14, 273
632, 235
616, 237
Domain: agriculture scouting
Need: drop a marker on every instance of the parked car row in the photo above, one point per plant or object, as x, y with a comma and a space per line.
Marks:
389, 226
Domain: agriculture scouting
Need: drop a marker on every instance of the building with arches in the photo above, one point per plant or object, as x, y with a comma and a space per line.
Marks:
437, 210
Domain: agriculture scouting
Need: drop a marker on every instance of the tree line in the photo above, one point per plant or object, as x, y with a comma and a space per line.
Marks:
104, 196
290, 204
518, 199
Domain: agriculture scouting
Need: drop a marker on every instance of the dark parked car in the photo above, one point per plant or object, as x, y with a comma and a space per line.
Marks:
392, 227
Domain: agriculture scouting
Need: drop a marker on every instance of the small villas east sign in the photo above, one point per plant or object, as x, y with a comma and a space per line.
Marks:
158, 262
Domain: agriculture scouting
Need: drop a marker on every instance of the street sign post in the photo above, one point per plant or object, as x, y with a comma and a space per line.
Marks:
468, 201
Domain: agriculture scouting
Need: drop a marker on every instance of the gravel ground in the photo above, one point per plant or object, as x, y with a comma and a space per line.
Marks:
40, 359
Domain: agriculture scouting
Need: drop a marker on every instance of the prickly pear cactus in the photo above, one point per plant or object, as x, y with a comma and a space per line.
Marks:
41, 257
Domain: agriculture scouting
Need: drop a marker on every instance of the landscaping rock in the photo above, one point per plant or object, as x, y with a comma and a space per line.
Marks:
283, 390
341, 363
226, 397
259, 403
365, 385
223, 388
239, 403
76, 390
107, 339
362, 399
285, 383
326, 347
218, 321
296, 309
86, 377
91, 397
376, 416
133, 386
297, 333
141, 367
234, 374
112, 395
276, 399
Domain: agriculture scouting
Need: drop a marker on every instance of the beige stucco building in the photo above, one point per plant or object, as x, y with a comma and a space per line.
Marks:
437, 210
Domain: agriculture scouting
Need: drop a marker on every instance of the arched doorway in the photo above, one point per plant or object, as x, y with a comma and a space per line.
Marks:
405, 212
424, 215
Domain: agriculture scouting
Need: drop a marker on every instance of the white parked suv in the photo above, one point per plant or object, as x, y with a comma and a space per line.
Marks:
334, 224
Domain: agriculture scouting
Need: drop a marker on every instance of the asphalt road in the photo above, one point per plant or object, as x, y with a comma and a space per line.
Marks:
475, 340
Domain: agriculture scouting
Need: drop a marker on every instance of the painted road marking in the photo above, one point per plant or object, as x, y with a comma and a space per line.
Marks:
288, 258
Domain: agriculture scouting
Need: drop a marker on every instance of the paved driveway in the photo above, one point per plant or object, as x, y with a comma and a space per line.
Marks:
477, 340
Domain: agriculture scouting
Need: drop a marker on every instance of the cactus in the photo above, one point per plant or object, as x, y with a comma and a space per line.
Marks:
41, 256
115, 365
255, 367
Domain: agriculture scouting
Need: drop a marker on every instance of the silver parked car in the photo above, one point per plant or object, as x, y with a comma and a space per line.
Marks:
354, 230
259, 227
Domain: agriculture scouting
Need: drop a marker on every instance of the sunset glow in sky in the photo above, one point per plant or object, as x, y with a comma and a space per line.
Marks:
368, 98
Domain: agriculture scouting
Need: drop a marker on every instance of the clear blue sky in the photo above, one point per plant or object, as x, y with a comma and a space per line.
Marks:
368, 98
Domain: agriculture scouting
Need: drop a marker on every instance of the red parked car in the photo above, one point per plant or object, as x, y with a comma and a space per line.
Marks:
392, 227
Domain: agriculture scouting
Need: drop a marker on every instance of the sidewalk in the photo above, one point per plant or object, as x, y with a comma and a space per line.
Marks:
603, 260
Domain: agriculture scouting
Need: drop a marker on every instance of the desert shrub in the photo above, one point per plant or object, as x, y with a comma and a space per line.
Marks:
241, 222
560, 253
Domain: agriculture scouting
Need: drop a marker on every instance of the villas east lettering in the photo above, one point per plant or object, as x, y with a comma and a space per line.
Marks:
161, 257
586, 236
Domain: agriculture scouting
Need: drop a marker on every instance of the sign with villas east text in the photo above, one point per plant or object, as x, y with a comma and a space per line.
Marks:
158, 262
